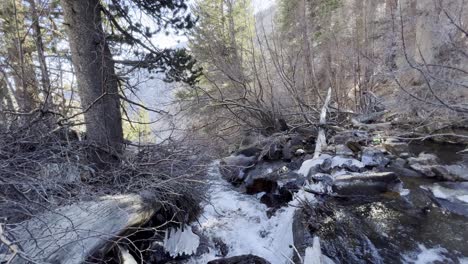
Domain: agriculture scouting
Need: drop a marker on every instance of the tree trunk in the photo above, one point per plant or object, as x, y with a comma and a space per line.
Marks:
46, 86
94, 68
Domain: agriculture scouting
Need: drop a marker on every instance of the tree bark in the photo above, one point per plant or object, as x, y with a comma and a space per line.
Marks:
94, 68
36, 27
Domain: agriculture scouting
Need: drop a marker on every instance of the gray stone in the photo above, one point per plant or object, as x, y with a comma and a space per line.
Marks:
423, 159
232, 167
374, 157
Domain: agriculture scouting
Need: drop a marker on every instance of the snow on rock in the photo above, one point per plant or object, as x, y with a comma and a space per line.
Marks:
346, 163
310, 164
181, 241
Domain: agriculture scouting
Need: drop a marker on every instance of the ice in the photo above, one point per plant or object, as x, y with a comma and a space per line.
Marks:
241, 222
448, 194
127, 258
181, 241
462, 198
313, 255
426, 255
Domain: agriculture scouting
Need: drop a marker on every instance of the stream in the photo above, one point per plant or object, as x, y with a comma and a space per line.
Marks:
405, 227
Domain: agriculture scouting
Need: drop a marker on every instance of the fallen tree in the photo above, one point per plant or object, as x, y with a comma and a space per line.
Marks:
73, 233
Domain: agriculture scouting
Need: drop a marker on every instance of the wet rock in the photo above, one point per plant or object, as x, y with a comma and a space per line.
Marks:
232, 167
450, 195
274, 200
351, 136
456, 172
346, 163
396, 146
261, 185
374, 157
425, 170
244, 259
423, 159
343, 150
312, 166
222, 248
264, 169
322, 177
399, 167
368, 183
354, 146
405, 155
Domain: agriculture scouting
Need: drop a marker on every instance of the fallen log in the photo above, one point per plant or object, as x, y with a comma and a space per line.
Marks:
71, 234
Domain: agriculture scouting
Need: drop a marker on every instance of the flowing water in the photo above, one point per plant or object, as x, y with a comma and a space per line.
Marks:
389, 228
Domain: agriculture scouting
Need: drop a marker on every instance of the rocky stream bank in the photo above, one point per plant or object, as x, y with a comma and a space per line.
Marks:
365, 199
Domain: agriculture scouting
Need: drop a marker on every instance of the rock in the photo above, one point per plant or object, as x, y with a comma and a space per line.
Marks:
368, 183
405, 155
343, 150
299, 152
398, 166
232, 167
346, 163
423, 159
426, 170
244, 259
374, 157
222, 248
395, 146
449, 195
451, 172
274, 200
249, 152
322, 177
263, 168
312, 166
354, 146
261, 185
352, 135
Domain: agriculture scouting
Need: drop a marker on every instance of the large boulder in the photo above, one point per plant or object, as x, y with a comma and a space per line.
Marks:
243, 259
